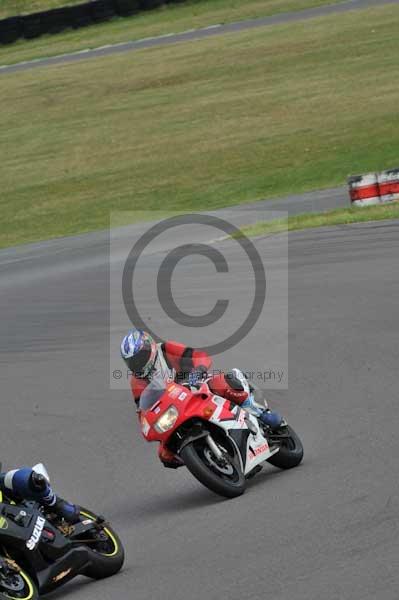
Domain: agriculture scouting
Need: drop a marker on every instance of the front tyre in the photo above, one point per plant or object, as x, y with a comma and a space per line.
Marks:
15, 583
225, 479
291, 449
106, 553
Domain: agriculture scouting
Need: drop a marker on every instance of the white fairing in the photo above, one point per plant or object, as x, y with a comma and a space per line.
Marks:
41, 470
257, 448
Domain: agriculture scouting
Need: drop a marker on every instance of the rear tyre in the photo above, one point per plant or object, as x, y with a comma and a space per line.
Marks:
228, 481
291, 450
16, 584
107, 556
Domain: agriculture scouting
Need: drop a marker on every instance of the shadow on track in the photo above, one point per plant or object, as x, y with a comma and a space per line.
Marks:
268, 476
179, 502
70, 588
191, 500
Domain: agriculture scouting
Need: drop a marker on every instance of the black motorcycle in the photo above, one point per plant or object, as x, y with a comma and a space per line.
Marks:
39, 551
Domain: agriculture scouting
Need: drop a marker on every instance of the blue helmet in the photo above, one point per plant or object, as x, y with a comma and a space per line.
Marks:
139, 351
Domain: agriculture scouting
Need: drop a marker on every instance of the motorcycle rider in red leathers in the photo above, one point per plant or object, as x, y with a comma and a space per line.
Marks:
144, 357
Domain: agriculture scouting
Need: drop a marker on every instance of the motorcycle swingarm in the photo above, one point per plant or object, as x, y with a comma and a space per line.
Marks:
73, 563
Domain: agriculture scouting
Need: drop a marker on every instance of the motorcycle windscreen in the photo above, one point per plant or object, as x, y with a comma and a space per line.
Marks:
153, 392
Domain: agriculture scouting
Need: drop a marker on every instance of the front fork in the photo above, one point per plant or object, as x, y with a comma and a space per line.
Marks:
214, 448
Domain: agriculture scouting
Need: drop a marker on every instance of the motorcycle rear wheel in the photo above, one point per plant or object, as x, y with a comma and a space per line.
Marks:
108, 556
229, 485
290, 453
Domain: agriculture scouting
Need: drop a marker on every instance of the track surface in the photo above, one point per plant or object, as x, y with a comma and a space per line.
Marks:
197, 34
325, 530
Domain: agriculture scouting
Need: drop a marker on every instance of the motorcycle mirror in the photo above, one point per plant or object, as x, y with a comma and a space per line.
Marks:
41, 470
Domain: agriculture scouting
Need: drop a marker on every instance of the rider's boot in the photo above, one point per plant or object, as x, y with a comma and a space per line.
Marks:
271, 418
266, 416
67, 511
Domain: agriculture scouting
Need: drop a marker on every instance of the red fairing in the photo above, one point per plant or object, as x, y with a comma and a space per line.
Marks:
189, 404
219, 385
137, 386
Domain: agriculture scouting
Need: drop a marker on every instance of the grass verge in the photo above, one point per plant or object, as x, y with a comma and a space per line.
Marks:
170, 17
341, 216
198, 125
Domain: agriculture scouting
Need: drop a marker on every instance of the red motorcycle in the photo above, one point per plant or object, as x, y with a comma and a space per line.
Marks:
221, 444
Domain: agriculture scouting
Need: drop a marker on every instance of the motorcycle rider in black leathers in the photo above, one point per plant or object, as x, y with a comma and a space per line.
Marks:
27, 484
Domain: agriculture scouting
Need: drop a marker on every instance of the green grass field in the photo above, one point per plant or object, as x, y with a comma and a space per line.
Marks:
178, 17
341, 216
198, 125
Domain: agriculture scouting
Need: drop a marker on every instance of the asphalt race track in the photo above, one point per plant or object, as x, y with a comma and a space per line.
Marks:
196, 34
327, 530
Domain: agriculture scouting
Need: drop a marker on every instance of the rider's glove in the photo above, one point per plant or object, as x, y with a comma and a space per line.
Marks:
199, 374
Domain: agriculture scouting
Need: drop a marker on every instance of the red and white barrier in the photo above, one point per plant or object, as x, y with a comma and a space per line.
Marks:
364, 189
388, 182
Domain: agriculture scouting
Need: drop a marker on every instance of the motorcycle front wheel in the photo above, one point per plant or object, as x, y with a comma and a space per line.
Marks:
222, 477
16, 584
